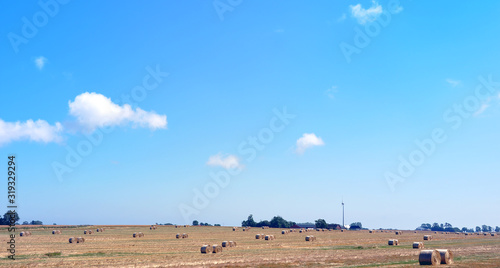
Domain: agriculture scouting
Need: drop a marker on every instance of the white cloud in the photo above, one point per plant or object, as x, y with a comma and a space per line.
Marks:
94, 110
396, 9
39, 131
331, 92
308, 140
366, 15
342, 18
40, 62
483, 108
453, 83
227, 162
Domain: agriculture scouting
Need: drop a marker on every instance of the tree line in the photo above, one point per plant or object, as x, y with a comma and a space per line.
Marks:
447, 227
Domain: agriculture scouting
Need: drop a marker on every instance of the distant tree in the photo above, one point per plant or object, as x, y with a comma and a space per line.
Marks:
5, 220
195, 223
202, 224
320, 223
334, 226
54, 223
464, 229
497, 229
356, 226
426, 226
279, 222
26, 223
478, 229
249, 222
486, 228
37, 222
216, 224
263, 223
456, 229
437, 227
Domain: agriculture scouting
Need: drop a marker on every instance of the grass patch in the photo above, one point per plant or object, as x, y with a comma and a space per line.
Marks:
53, 254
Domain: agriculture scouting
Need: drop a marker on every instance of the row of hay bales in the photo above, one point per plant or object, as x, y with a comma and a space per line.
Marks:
265, 227
56, 232
310, 238
74, 240
246, 228
87, 231
152, 227
211, 249
179, 226
138, 234
25, 233
99, 230
181, 236
435, 257
217, 248
265, 237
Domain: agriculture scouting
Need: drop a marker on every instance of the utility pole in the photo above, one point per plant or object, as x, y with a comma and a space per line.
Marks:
343, 224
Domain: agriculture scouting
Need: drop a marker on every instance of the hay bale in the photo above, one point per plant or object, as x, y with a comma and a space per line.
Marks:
429, 257
184, 235
22, 234
300, 231
216, 249
84, 231
427, 237
257, 236
178, 236
232, 244
267, 237
72, 240
225, 244
206, 249
446, 256
283, 232
80, 240
393, 242
134, 235
492, 234
310, 238
56, 231
418, 245
370, 231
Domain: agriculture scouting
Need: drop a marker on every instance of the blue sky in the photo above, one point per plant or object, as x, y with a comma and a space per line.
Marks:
216, 110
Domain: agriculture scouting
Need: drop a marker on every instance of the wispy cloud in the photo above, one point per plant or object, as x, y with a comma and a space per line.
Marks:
364, 16
453, 82
483, 108
331, 92
38, 131
396, 9
308, 140
40, 62
93, 110
342, 17
227, 161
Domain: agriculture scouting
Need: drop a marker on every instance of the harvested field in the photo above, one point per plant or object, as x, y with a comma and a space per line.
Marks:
117, 248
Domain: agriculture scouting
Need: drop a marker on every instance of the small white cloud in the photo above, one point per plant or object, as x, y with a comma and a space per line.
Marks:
396, 9
94, 110
366, 15
483, 108
342, 17
39, 131
227, 162
308, 140
40, 62
453, 83
331, 92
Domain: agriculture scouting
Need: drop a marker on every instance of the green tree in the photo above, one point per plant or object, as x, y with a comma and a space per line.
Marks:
195, 223
249, 222
321, 223
486, 228
279, 222
356, 225
426, 226
37, 222
478, 229
7, 217
497, 229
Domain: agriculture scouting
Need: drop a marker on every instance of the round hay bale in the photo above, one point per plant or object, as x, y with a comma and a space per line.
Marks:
429, 257
257, 236
22, 234
398, 233
84, 231
446, 256
370, 231
141, 234
310, 238
206, 249
216, 249
267, 237
178, 236
72, 240
427, 237
53, 232
418, 245
492, 234
134, 235
225, 244
232, 244
184, 235
300, 231
283, 232
80, 240
393, 242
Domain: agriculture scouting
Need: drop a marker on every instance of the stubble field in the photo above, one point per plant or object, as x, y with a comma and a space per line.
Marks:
115, 247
